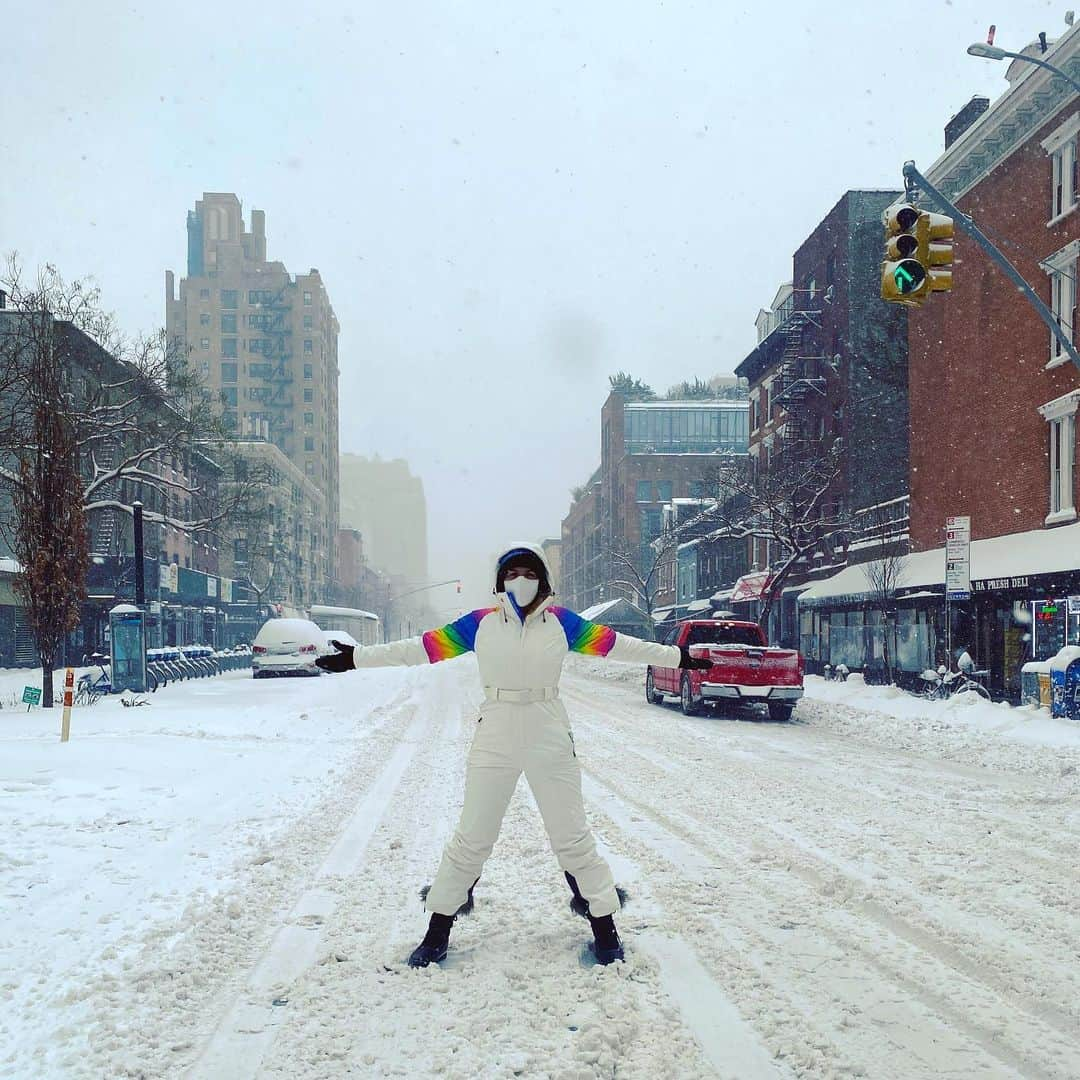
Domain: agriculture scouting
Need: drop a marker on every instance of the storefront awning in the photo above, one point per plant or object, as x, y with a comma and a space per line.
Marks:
699, 605
750, 587
998, 564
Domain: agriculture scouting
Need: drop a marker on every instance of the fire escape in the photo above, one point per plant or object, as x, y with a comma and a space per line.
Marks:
276, 398
800, 385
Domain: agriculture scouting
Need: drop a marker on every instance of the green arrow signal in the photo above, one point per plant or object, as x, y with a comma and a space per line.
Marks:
902, 278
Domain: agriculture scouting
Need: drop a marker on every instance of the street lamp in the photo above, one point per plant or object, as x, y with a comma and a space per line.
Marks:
992, 52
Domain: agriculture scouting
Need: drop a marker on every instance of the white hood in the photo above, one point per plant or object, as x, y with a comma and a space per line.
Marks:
528, 545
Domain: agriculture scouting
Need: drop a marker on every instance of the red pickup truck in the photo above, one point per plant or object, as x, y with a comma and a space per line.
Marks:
746, 669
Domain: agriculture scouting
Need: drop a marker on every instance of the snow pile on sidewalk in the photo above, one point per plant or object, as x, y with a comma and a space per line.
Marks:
964, 711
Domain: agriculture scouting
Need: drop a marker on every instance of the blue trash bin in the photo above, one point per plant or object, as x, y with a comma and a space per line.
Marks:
1072, 690
1063, 685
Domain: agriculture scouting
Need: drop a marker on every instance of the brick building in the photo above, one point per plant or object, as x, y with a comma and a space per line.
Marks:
651, 452
994, 397
265, 343
993, 401
831, 364
580, 556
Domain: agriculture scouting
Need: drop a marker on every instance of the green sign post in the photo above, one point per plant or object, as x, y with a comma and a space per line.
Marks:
31, 695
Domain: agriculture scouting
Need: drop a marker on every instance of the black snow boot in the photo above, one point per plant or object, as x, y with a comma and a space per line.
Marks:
579, 905
432, 950
606, 945
465, 909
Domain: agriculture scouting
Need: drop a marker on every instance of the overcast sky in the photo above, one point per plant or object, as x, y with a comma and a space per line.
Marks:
507, 202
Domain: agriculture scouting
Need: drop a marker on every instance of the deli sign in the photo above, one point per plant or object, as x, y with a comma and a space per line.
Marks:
1000, 584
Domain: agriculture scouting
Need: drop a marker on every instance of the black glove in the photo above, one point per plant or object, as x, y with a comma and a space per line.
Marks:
341, 661
699, 663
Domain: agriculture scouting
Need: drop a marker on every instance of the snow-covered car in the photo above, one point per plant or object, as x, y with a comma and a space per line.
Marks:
287, 647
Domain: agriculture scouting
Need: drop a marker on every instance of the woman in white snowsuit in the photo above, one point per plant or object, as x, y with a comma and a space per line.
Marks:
520, 645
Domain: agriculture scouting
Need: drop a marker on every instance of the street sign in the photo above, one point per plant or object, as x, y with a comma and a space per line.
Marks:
31, 695
958, 558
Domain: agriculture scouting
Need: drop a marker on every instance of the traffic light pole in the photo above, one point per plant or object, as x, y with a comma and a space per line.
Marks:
914, 178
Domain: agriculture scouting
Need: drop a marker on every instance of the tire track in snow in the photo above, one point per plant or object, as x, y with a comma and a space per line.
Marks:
684, 835
246, 1032
941, 915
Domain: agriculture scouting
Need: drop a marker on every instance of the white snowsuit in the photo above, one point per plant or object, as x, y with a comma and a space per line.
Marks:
523, 727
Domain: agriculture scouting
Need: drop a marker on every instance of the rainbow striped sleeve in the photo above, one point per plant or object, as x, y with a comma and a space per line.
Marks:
455, 638
583, 636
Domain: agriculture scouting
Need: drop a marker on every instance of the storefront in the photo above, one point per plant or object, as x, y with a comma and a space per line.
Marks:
1024, 604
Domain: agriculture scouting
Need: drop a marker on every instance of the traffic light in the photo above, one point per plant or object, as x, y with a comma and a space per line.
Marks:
918, 255
903, 274
939, 246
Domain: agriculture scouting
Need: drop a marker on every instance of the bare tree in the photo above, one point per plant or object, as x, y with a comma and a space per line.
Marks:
788, 502
884, 572
137, 406
639, 575
47, 532
140, 423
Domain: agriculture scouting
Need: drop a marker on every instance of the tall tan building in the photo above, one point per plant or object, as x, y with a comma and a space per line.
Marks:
266, 342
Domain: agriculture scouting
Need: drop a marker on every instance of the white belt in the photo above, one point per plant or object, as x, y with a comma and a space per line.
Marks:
521, 697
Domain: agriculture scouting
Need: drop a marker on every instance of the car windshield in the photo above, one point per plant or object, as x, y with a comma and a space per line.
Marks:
723, 635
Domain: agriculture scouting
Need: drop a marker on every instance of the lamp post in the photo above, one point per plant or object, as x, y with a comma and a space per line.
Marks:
992, 52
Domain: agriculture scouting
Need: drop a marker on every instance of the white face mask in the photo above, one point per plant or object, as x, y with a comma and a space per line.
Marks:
523, 590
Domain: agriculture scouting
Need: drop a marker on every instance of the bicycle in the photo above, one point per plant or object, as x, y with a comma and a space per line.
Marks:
90, 689
943, 684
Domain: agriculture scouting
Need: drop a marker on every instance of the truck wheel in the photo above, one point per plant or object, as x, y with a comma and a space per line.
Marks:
651, 694
780, 712
690, 707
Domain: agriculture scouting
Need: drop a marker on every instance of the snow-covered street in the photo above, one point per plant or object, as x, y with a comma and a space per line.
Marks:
224, 884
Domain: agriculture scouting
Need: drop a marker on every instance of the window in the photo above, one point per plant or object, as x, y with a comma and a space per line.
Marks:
308, 322
308, 349
228, 395
697, 489
309, 396
309, 444
811, 288
1061, 267
644, 491
228, 323
260, 371
830, 268
307, 371
1060, 414
228, 298
204, 294
228, 346
204, 343
309, 419
307, 299
204, 318
663, 490
1064, 165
